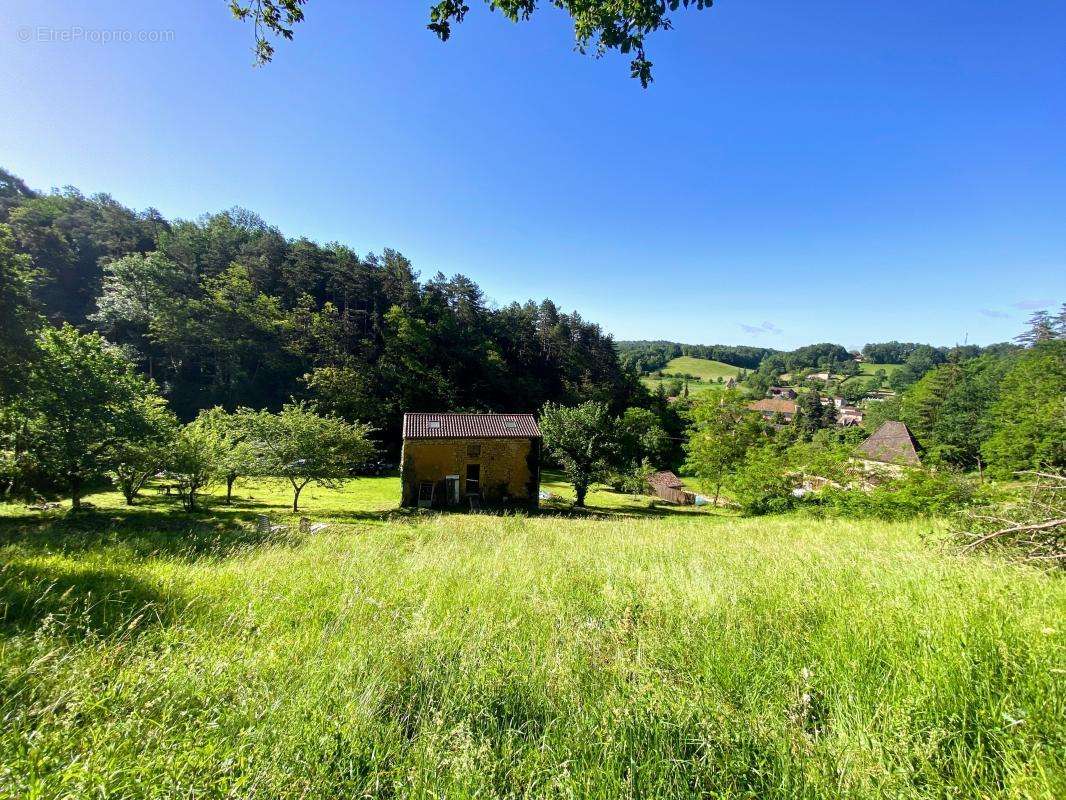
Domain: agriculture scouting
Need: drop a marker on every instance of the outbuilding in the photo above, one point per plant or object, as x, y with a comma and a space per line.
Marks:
453, 459
892, 447
669, 487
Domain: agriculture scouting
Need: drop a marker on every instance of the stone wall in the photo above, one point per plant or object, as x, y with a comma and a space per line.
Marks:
509, 467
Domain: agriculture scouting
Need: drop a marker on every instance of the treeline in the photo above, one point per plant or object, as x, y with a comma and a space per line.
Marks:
645, 356
227, 311
1005, 411
1002, 412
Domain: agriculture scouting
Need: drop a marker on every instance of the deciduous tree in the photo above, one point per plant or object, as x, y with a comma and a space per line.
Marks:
84, 403
303, 446
146, 450
599, 25
581, 438
723, 428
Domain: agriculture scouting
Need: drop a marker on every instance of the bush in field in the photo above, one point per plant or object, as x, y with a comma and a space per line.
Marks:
828, 454
917, 492
761, 484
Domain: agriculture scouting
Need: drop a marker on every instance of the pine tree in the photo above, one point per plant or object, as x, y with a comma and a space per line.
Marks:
1042, 327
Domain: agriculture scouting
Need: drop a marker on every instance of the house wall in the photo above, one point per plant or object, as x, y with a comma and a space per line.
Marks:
509, 467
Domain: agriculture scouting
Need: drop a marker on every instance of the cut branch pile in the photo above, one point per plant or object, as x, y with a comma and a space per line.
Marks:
1034, 525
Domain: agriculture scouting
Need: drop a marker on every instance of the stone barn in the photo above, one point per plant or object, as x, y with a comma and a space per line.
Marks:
470, 459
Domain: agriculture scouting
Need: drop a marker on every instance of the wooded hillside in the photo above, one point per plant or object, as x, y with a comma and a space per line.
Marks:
227, 310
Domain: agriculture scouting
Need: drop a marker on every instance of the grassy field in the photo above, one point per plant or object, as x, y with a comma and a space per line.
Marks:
637, 652
867, 370
708, 371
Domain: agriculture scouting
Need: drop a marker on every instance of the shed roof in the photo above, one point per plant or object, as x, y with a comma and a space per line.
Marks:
469, 426
892, 443
665, 479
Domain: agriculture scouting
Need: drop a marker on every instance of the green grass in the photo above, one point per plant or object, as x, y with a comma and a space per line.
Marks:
867, 370
636, 652
705, 369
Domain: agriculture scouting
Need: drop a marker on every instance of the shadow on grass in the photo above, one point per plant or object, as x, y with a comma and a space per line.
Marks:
77, 601
158, 527
614, 512
141, 530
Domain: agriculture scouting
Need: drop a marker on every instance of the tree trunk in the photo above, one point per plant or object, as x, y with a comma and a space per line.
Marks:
581, 490
717, 491
296, 498
75, 493
229, 487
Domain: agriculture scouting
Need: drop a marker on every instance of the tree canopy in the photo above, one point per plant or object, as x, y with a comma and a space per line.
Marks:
84, 406
581, 438
600, 26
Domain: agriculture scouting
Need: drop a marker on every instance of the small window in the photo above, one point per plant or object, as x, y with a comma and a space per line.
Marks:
433, 423
473, 451
510, 424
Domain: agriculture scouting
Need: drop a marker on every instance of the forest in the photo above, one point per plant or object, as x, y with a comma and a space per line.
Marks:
227, 311
119, 325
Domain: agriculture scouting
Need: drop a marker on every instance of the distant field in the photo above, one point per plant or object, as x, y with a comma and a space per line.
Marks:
708, 371
867, 370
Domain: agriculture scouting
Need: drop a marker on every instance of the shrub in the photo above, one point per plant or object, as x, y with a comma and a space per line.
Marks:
915, 493
762, 484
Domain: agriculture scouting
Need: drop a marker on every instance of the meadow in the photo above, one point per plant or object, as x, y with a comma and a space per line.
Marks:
706, 370
867, 370
633, 651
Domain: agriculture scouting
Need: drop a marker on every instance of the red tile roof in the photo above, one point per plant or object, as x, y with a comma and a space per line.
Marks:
774, 405
470, 426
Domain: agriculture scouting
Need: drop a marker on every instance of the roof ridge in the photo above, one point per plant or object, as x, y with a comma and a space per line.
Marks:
474, 413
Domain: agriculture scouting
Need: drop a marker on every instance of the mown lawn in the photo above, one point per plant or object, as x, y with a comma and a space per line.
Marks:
636, 652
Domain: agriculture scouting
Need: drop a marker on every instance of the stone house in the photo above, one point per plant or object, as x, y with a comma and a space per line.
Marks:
849, 415
467, 459
772, 406
784, 392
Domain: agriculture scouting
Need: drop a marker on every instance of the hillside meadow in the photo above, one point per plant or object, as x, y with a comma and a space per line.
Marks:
636, 651
705, 369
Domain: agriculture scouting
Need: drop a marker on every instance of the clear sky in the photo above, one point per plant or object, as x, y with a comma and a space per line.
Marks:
826, 170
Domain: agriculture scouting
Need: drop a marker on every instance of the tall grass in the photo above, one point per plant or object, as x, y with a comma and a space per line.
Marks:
479, 656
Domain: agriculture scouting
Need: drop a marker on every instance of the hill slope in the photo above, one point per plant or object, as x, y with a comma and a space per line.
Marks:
706, 370
473, 655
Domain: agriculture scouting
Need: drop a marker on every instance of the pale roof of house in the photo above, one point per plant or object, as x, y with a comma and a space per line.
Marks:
892, 443
469, 426
774, 405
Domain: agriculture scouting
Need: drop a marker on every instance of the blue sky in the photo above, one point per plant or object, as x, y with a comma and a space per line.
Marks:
829, 170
